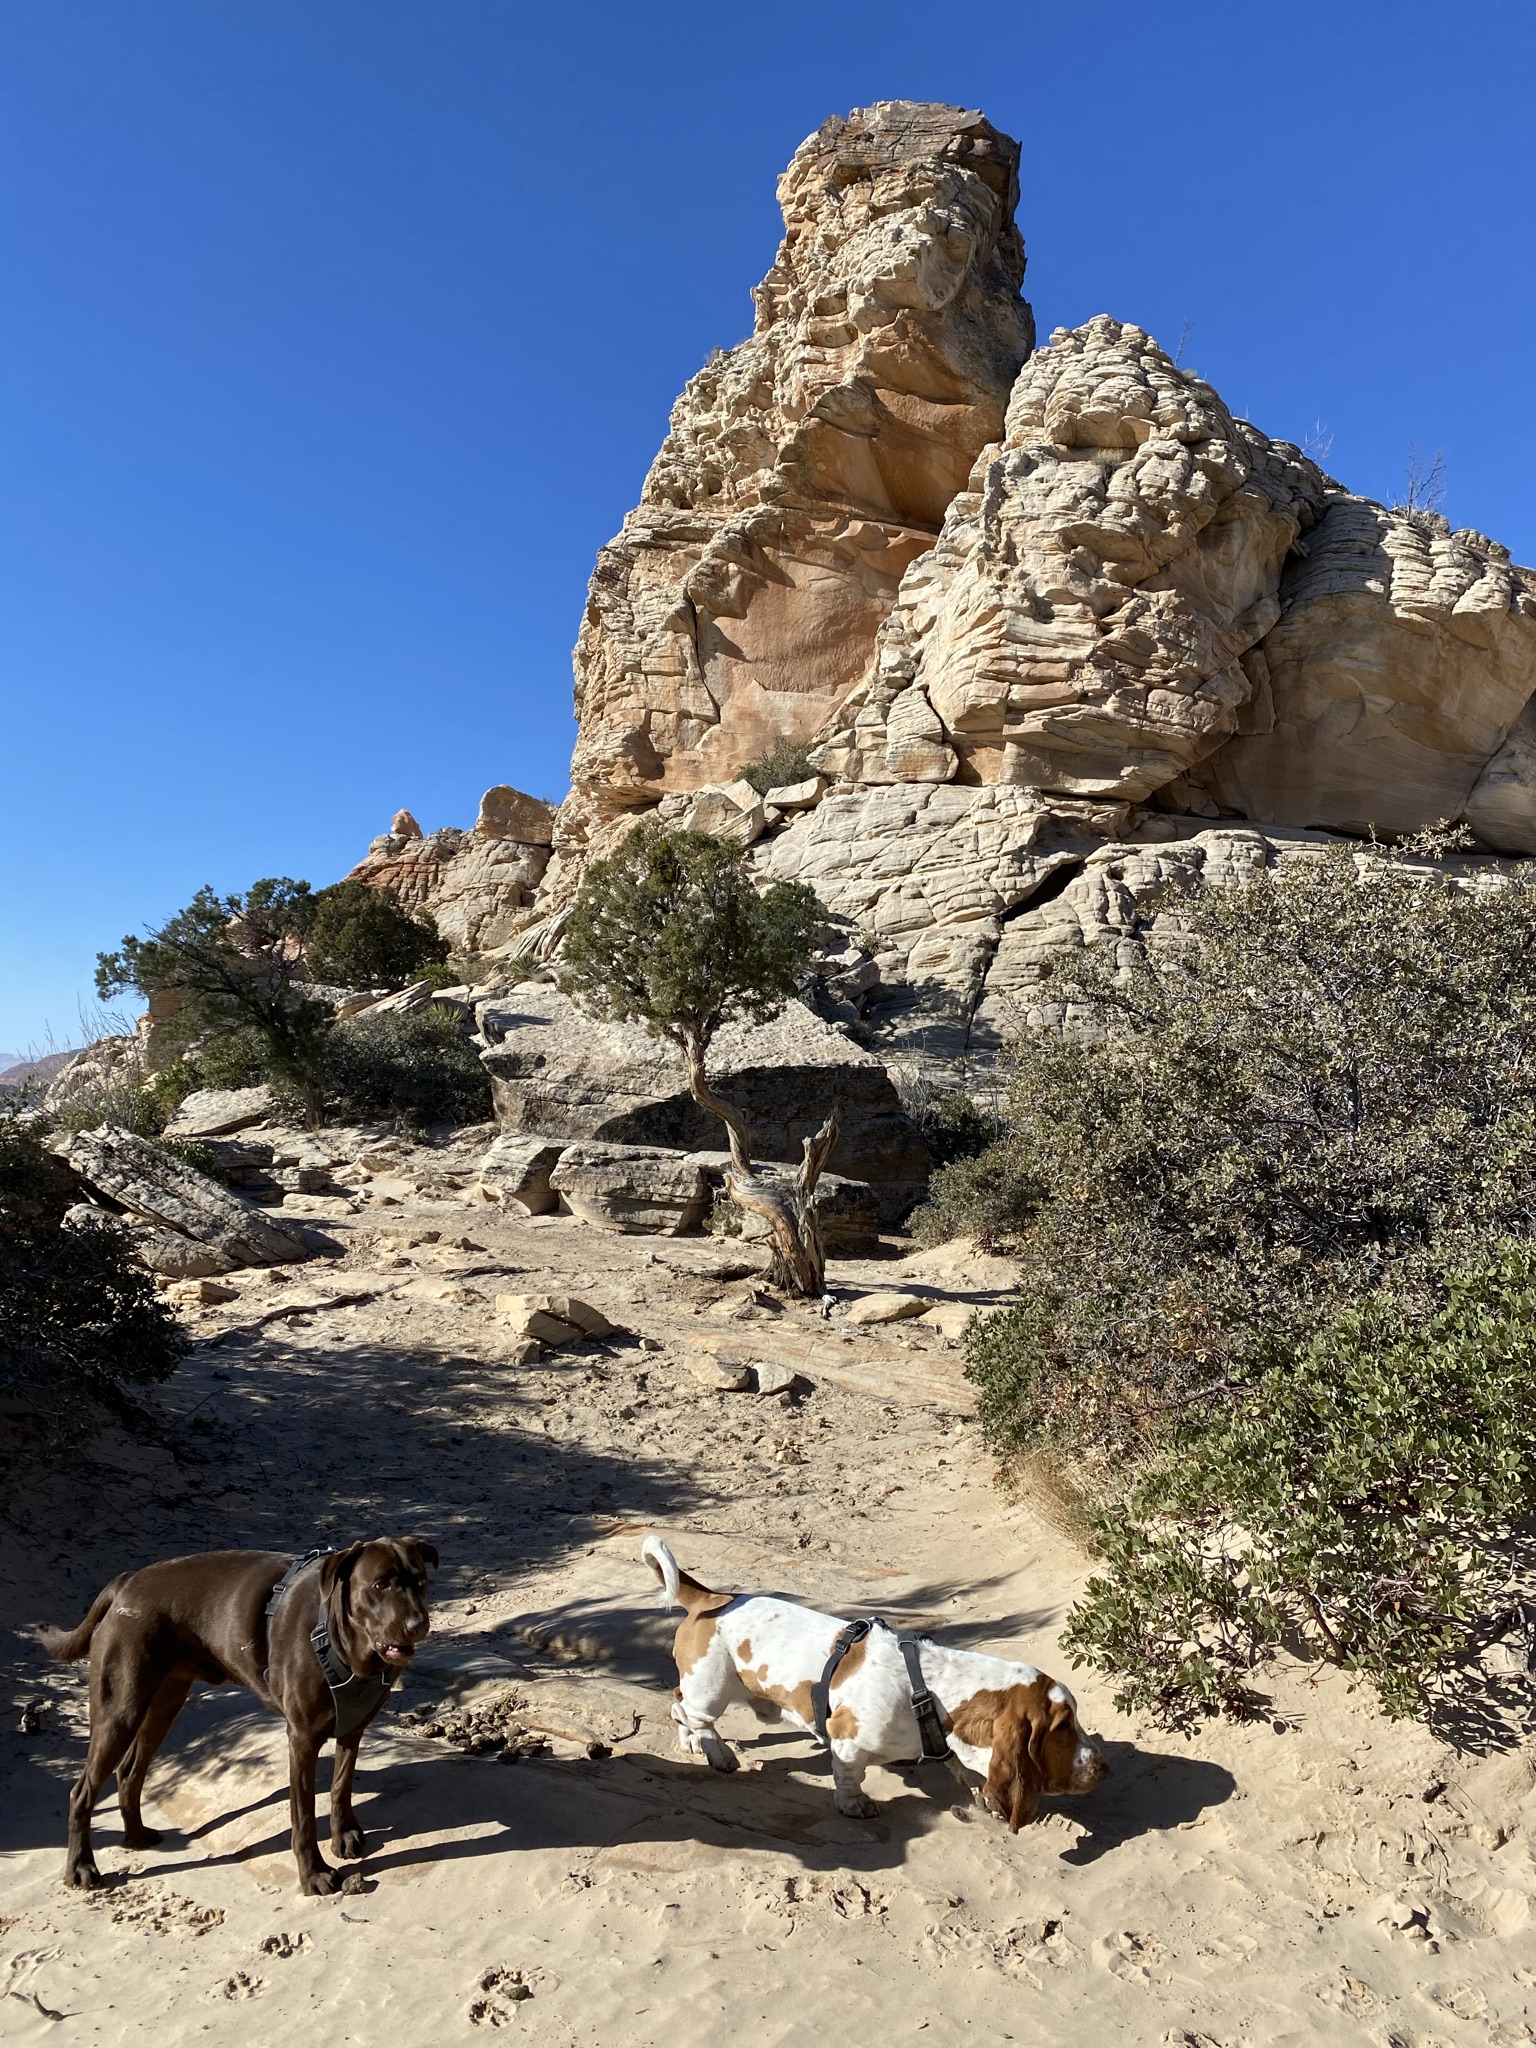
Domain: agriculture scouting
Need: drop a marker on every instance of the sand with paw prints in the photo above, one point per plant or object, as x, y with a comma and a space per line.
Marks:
540, 1859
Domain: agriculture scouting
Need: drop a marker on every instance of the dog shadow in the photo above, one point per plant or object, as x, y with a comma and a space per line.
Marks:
1146, 1792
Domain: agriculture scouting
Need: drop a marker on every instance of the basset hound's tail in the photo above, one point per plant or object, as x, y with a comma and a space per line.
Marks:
678, 1589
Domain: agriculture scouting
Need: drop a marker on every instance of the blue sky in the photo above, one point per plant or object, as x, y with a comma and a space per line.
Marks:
335, 339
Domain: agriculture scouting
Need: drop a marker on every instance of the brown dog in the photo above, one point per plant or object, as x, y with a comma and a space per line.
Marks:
320, 1639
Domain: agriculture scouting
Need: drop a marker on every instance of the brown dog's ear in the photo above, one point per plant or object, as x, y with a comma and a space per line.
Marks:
1014, 1778
336, 1569
421, 1553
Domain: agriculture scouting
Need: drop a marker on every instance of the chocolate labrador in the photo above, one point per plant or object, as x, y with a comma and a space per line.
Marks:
319, 1638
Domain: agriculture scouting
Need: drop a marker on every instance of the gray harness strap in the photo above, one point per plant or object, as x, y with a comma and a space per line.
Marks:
353, 1697
929, 1727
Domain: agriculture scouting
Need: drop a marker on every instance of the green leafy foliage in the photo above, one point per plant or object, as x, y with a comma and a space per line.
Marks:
669, 930
418, 1067
362, 938
1373, 1499
79, 1318
1314, 1091
234, 961
783, 764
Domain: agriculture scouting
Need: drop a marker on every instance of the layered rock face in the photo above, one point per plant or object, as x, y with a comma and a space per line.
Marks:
809, 466
1083, 623
478, 885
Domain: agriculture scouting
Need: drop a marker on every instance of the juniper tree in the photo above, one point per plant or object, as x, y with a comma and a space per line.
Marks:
669, 931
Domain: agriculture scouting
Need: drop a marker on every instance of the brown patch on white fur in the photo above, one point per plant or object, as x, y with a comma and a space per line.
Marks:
797, 1698
691, 1643
744, 1650
842, 1724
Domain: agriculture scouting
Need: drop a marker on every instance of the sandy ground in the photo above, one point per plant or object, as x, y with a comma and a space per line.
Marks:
1323, 1876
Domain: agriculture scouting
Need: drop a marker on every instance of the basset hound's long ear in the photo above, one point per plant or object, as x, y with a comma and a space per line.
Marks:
422, 1554
1014, 1778
336, 1570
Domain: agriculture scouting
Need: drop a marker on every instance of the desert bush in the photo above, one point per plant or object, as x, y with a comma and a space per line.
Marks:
1372, 1500
236, 962
783, 764
1313, 1091
362, 938
80, 1320
418, 1067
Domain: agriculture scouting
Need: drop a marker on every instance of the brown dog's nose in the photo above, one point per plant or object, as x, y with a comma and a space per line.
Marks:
415, 1628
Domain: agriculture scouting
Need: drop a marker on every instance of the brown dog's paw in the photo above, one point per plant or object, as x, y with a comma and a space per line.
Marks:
348, 1844
321, 1883
82, 1877
142, 1837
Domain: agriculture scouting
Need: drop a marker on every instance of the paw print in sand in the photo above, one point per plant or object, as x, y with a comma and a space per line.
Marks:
500, 1991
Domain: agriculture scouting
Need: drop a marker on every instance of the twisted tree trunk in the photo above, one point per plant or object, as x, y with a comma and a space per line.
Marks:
799, 1257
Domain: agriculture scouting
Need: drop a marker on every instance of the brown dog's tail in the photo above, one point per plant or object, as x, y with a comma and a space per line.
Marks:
677, 1588
69, 1646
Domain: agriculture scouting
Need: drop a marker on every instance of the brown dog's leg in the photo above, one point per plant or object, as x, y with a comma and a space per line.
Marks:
346, 1835
315, 1874
153, 1729
120, 1698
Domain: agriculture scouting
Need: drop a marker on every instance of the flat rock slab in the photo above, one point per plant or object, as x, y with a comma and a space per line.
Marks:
717, 1374
156, 1185
633, 1188
516, 1169
215, 1112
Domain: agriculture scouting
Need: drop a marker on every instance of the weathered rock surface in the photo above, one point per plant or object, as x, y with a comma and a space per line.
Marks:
1404, 656
636, 1188
218, 1112
808, 466
559, 1074
1082, 624
172, 1197
476, 885
515, 1172
850, 1213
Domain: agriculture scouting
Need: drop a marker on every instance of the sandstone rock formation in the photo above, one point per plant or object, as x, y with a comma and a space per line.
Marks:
1403, 657
807, 467
1054, 627
477, 885
1081, 625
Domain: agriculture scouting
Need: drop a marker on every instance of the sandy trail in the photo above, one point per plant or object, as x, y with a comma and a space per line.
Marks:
1326, 1877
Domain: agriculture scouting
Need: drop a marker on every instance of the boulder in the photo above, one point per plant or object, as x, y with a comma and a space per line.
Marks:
173, 1256
720, 1375
175, 1198
506, 813
552, 1318
886, 1308
216, 1112
515, 1172
635, 1188
561, 1074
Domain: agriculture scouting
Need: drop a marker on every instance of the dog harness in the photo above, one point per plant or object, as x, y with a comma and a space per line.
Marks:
924, 1705
353, 1696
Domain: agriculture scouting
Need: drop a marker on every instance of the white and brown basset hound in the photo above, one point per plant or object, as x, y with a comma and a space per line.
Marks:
1009, 1723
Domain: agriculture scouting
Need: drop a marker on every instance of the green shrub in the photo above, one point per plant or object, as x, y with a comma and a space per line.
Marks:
362, 938
1314, 1092
418, 1067
1373, 1500
784, 763
80, 1320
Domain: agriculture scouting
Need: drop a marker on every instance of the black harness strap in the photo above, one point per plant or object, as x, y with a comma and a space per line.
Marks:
924, 1705
929, 1727
353, 1697
821, 1690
